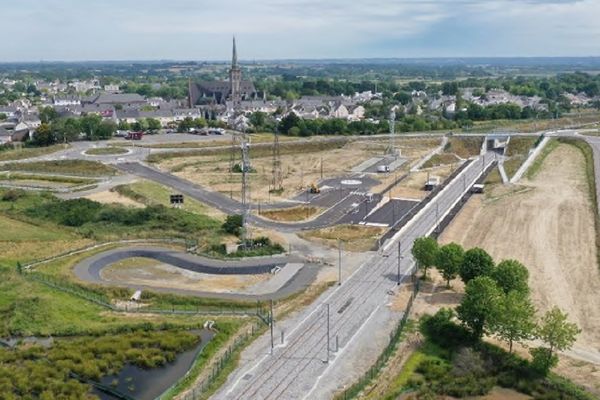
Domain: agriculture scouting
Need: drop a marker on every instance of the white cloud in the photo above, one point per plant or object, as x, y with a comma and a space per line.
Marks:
201, 29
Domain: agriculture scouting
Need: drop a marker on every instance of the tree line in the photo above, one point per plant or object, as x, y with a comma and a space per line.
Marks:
496, 301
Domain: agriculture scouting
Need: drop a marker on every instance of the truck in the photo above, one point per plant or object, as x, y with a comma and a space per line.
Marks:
432, 183
383, 168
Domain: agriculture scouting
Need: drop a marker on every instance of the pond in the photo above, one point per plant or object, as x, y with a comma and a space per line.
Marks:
148, 384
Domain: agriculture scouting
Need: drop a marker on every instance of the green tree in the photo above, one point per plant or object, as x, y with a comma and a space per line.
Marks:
48, 114
90, 124
515, 318
153, 124
558, 334
258, 119
43, 135
233, 224
448, 261
511, 275
3, 116
478, 308
476, 262
424, 251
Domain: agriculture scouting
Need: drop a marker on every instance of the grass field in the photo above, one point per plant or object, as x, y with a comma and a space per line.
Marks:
67, 167
517, 151
40, 178
105, 151
24, 242
29, 152
152, 193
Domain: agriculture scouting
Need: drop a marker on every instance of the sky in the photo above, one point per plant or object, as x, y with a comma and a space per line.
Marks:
72, 30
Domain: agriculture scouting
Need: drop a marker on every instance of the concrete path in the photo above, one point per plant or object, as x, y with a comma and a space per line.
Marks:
530, 159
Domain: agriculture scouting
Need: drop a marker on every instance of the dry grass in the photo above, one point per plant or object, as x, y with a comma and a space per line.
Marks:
464, 147
291, 214
354, 237
153, 273
301, 165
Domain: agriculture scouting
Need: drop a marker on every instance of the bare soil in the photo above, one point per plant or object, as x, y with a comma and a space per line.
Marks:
291, 214
299, 170
548, 225
145, 271
354, 237
412, 186
109, 197
550, 229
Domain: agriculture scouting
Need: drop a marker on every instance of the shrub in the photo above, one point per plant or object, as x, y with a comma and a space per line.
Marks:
13, 195
233, 224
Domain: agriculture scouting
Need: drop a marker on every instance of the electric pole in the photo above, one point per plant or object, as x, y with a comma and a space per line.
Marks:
399, 260
339, 262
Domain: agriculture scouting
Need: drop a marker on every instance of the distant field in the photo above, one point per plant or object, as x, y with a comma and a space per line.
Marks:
67, 167
29, 152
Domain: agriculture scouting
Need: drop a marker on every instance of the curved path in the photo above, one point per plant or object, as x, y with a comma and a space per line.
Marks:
229, 206
90, 269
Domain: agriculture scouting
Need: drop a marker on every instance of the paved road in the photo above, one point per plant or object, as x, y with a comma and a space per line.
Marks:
231, 206
295, 369
89, 270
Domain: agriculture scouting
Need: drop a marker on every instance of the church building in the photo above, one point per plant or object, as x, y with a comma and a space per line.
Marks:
219, 92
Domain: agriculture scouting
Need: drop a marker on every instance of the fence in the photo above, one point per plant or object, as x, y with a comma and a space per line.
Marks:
395, 337
101, 300
201, 389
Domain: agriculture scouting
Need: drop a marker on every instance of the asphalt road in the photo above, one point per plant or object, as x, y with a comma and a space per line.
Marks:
294, 370
231, 206
89, 270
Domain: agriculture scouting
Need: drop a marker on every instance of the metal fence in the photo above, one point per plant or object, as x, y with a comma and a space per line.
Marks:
389, 350
103, 301
201, 389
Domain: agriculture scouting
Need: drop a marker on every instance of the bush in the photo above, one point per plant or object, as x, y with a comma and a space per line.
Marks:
233, 224
13, 195
543, 360
441, 330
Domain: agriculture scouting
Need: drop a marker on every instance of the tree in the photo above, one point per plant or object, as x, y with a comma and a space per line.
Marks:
48, 114
3, 116
479, 306
511, 275
476, 262
514, 320
424, 251
105, 130
90, 124
556, 332
233, 224
258, 119
448, 261
153, 124
43, 135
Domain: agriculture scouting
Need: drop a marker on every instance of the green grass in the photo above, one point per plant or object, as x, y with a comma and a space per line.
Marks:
48, 369
152, 193
16, 231
67, 167
10, 176
105, 151
29, 152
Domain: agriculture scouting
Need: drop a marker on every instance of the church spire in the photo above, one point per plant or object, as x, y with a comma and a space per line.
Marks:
234, 60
